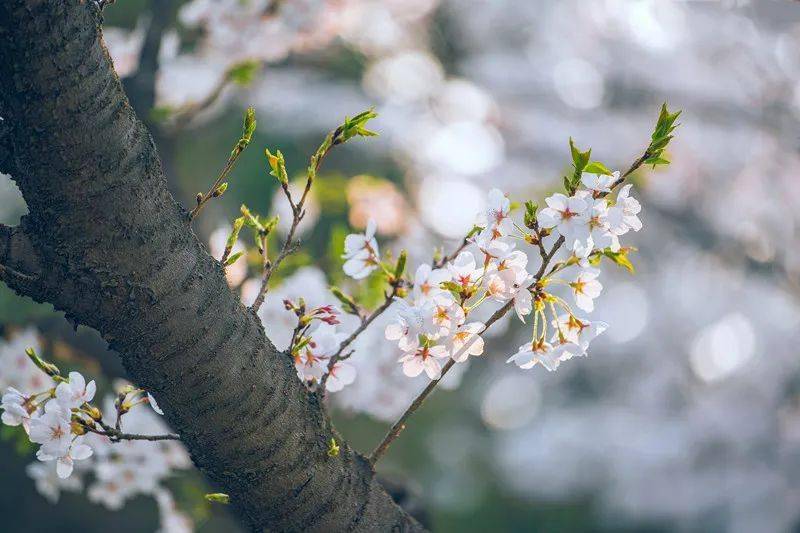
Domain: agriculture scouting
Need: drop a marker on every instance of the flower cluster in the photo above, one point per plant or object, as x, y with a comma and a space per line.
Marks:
316, 339
47, 419
76, 438
432, 321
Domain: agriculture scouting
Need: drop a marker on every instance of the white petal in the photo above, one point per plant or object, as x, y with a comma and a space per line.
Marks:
548, 218
91, 389
523, 303
64, 467
346, 373
393, 331
413, 367
558, 201
372, 226
80, 452
77, 381
432, 368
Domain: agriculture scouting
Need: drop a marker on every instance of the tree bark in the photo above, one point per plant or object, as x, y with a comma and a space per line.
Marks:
106, 243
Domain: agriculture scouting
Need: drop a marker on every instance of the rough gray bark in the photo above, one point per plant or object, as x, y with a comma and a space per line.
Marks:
106, 243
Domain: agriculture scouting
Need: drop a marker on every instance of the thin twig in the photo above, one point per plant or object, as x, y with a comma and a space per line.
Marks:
298, 212
400, 425
202, 200
365, 322
446, 259
185, 114
117, 436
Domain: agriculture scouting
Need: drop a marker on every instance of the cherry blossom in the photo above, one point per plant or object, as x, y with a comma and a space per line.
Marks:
599, 183
577, 331
538, 352
623, 216
309, 366
341, 375
498, 214
600, 235
361, 252
501, 285
586, 288
568, 215
411, 321
75, 392
448, 316
465, 341
153, 404
52, 430
427, 282
492, 246
16, 408
424, 358
65, 463
464, 270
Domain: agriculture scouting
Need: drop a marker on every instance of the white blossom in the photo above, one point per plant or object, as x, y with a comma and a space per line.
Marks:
578, 331
448, 316
410, 322
568, 215
464, 270
52, 430
600, 235
465, 341
153, 404
16, 408
75, 392
424, 358
341, 375
623, 216
532, 353
586, 288
498, 214
66, 462
599, 182
427, 283
361, 252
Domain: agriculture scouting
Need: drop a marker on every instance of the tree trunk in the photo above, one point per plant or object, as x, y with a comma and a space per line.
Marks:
106, 243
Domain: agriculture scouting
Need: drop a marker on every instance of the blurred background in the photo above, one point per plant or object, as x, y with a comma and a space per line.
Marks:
686, 416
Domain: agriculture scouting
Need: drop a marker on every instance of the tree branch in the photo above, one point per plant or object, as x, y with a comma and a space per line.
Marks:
120, 258
547, 257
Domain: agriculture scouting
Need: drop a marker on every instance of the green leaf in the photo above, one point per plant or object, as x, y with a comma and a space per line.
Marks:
233, 258
220, 190
579, 161
621, 258
348, 303
237, 227
354, 127
596, 167
333, 448
474, 231
452, 287
661, 136
400, 268
278, 165
244, 73
218, 497
249, 125
530, 214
